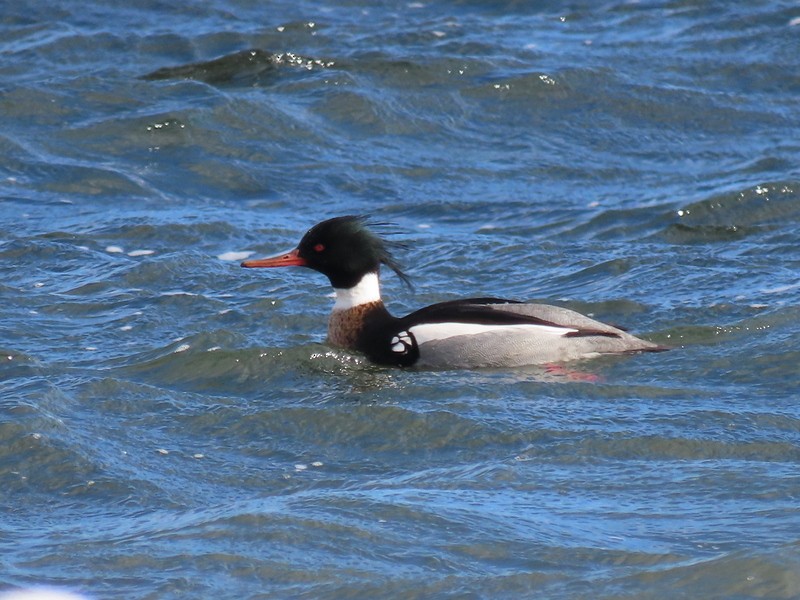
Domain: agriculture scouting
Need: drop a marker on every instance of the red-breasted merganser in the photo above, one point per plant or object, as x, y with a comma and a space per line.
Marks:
471, 333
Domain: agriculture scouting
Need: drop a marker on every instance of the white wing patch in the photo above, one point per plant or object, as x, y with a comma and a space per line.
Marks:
402, 343
430, 332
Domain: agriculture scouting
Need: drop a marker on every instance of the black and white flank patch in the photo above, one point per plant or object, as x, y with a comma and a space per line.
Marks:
402, 343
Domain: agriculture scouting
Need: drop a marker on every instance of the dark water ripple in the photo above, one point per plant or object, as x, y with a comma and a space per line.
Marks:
172, 426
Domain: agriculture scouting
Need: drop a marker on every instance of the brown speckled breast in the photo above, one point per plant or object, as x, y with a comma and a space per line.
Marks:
345, 325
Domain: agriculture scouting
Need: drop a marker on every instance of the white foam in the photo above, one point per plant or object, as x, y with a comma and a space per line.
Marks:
780, 288
40, 593
234, 255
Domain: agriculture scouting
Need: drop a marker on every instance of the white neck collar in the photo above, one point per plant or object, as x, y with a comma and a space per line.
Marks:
365, 291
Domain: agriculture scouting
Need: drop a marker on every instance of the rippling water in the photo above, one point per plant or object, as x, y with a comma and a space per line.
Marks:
172, 426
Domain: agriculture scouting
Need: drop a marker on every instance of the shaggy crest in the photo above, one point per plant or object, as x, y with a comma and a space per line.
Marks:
371, 251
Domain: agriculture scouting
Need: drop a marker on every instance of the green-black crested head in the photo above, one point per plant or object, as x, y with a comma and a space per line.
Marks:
345, 249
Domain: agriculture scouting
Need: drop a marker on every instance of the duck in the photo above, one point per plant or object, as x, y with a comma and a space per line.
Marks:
471, 333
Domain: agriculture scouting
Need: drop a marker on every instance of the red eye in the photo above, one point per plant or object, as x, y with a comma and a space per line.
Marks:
319, 247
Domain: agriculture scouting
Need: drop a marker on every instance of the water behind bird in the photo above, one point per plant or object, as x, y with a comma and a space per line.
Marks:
175, 426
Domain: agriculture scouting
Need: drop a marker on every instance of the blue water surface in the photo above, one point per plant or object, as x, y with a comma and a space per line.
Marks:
173, 426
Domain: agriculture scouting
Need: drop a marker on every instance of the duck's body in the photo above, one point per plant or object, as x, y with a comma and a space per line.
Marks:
472, 333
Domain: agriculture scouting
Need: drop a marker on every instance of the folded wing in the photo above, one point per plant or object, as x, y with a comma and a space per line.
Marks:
496, 332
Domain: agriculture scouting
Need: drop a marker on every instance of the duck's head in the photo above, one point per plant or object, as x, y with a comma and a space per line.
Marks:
342, 248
